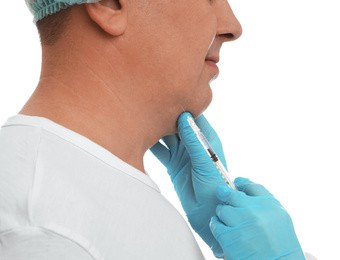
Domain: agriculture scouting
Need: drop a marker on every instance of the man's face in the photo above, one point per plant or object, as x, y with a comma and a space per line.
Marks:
173, 39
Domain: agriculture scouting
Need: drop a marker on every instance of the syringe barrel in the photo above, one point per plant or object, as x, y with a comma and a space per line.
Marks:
215, 159
207, 146
225, 174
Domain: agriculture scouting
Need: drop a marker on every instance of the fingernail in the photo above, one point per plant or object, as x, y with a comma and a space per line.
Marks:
212, 224
218, 209
221, 191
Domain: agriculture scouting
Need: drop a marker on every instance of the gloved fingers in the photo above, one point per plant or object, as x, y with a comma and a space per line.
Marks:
208, 237
171, 141
220, 232
231, 216
211, 135
161, 152
190, 140
182, 181
205, 126
232, 197
250, 188
216, 247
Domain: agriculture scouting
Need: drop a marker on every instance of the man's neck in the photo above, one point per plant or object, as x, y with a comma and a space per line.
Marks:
97, 113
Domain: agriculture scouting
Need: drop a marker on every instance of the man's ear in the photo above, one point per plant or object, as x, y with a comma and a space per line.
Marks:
110, 15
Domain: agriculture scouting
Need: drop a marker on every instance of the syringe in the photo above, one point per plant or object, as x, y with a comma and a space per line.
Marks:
211, 153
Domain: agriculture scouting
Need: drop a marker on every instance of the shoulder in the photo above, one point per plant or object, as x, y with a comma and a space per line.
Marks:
34, 243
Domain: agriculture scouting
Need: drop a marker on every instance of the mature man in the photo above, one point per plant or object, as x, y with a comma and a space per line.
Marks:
116, 75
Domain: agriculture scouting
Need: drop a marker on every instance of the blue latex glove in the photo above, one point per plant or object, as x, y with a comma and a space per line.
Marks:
194, 175
253, 225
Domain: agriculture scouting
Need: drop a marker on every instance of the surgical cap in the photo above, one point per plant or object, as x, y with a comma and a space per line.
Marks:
43, 8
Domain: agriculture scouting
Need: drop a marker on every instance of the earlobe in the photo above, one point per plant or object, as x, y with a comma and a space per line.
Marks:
110, 15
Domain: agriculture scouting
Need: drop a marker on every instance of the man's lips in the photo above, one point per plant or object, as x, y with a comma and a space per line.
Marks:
212, 61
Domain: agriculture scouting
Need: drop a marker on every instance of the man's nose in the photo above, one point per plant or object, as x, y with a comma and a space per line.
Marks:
228, 27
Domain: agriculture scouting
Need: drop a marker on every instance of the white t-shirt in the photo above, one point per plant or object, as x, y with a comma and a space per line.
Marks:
62, 196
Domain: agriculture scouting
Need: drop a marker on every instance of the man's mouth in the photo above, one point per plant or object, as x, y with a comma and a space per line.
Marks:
212, 61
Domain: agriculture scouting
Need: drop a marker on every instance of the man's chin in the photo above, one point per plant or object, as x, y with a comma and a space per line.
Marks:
201, 107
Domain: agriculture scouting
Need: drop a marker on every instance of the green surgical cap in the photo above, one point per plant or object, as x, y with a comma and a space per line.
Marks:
43, 8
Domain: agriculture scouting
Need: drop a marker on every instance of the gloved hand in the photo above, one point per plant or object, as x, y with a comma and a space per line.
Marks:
194, 175
251, 224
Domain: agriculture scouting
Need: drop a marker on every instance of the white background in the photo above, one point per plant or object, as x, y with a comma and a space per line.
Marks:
276, 106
